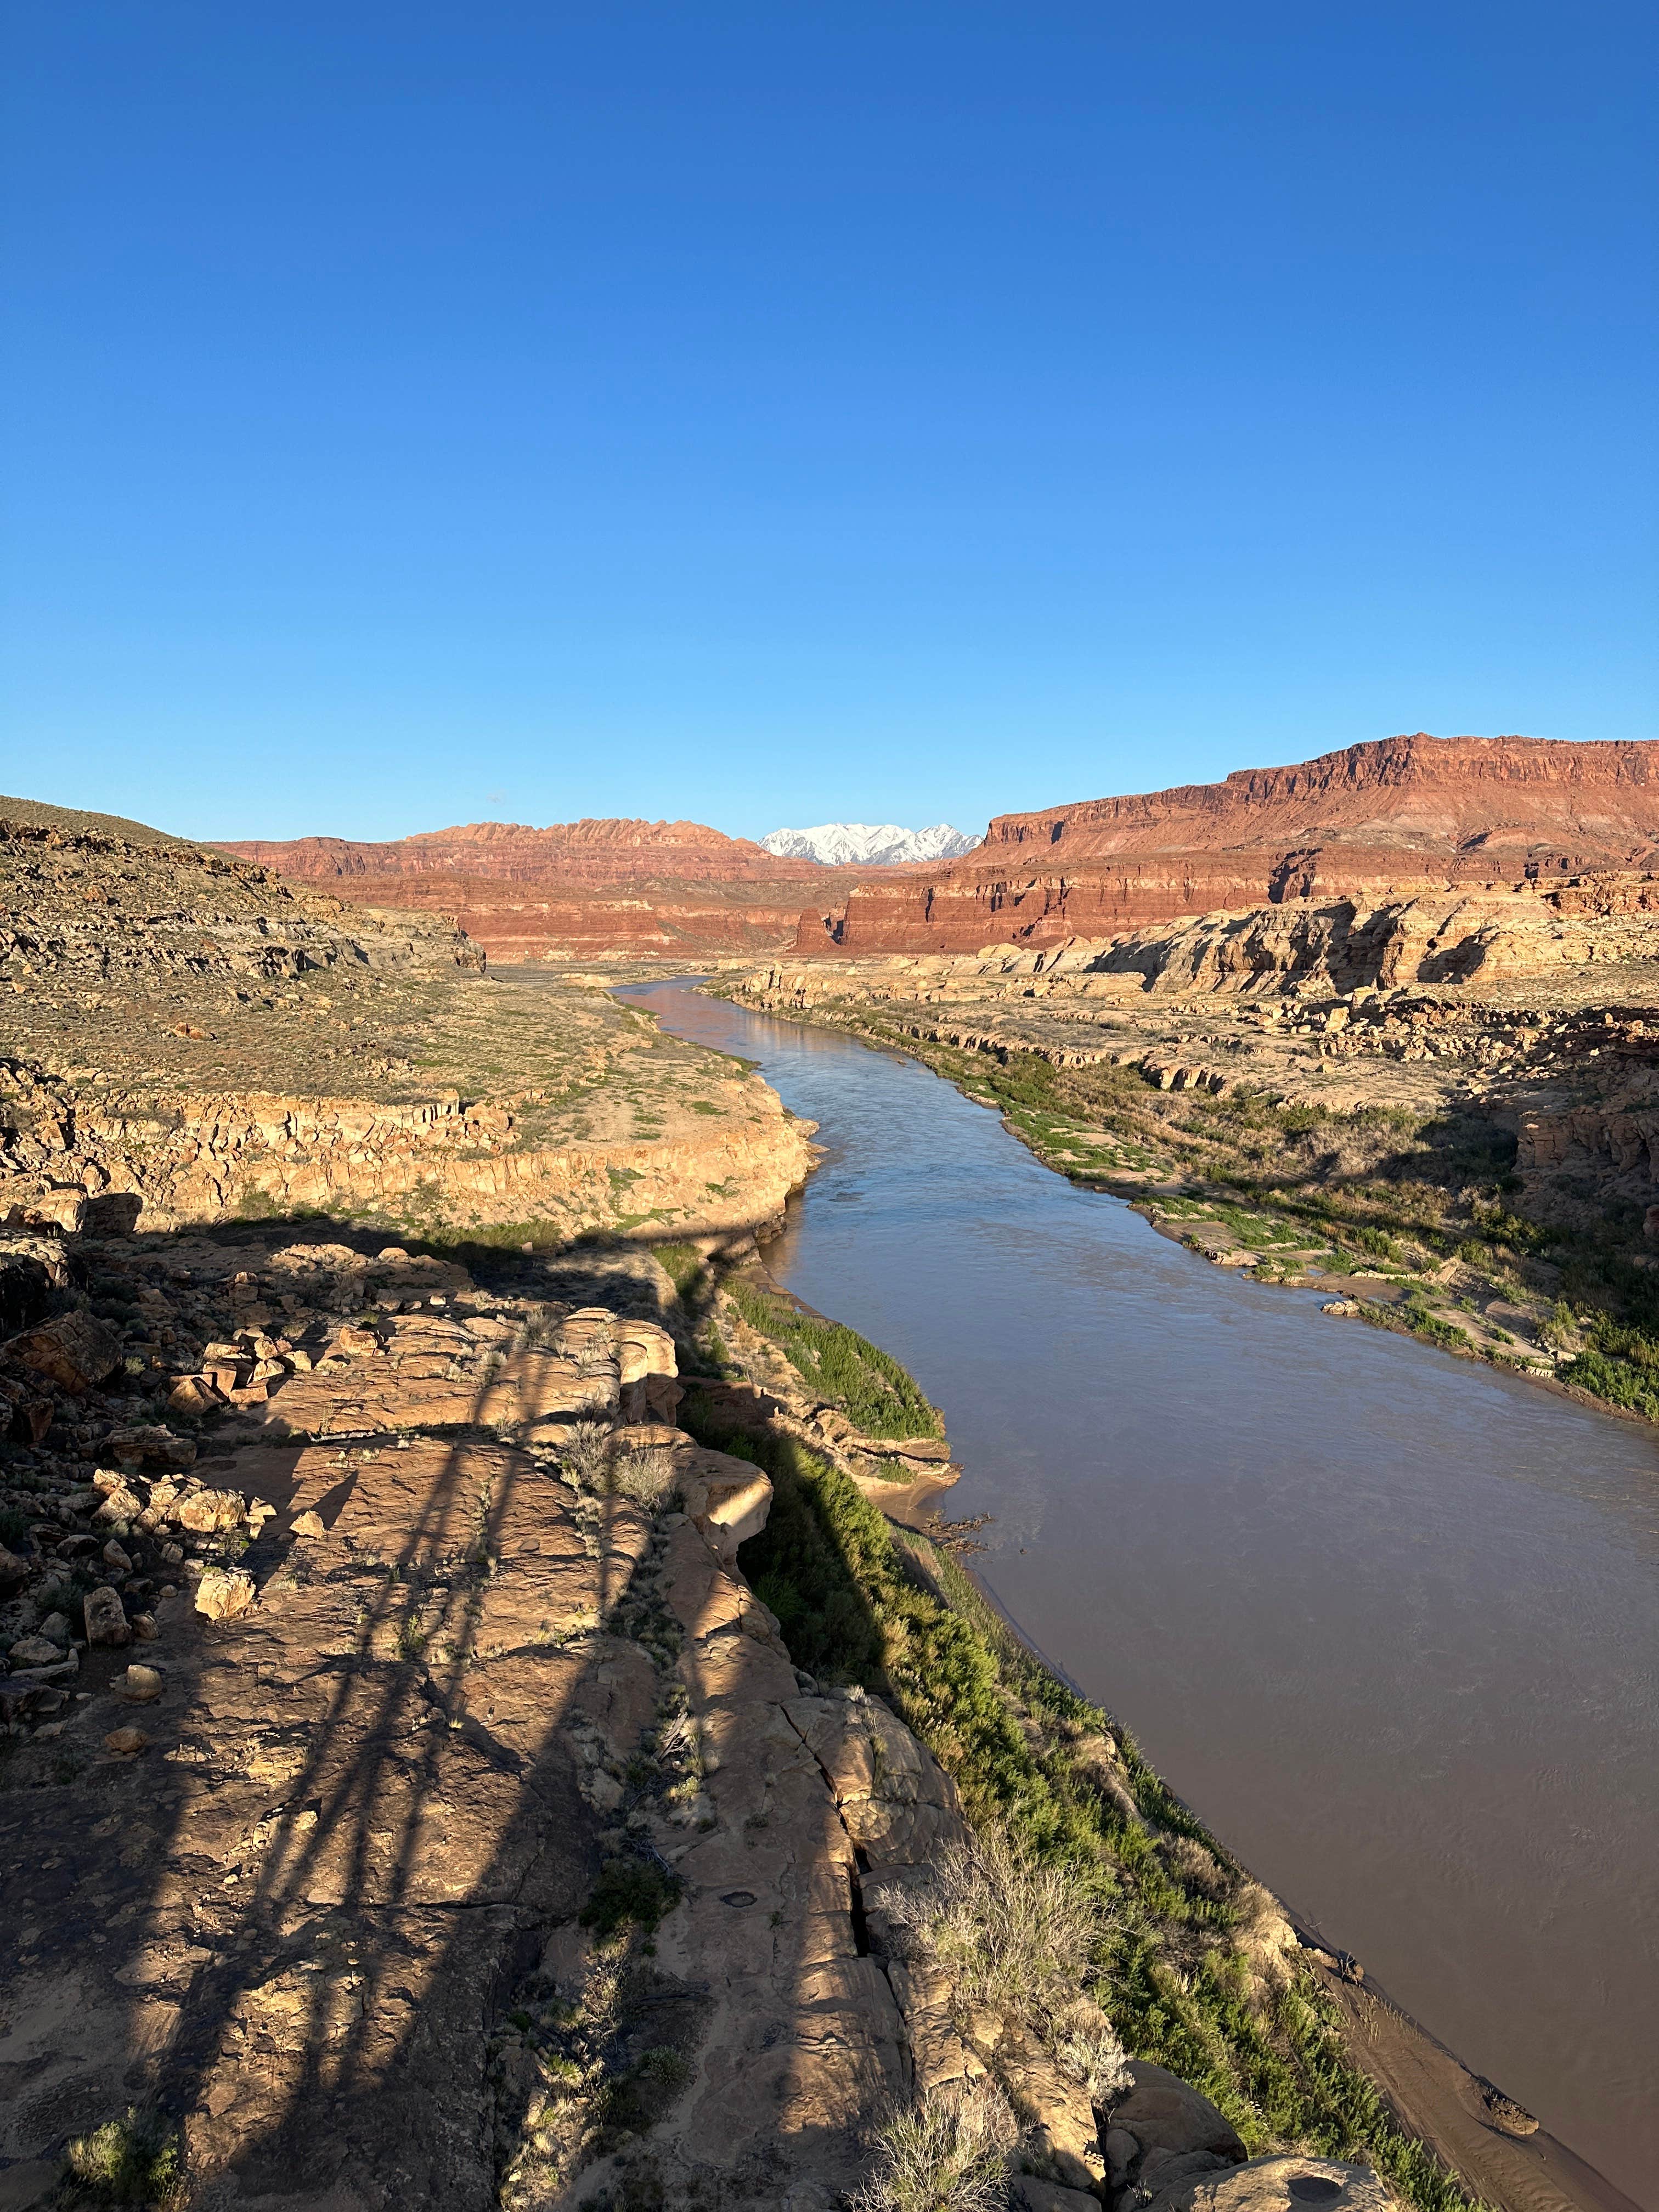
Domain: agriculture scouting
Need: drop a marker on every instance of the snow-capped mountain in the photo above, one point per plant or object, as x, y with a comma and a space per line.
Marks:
873, 844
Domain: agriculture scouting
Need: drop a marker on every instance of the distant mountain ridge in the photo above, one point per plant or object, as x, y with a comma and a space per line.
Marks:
674, 890
868, 844
598, 852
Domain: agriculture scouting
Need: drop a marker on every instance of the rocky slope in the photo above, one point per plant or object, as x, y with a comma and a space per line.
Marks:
192, 1037
1369, 821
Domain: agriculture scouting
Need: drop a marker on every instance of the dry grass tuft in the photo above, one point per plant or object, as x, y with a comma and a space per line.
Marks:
645, 1477
948, 2153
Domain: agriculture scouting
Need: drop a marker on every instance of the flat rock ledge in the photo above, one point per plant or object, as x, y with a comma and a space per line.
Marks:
428, 1643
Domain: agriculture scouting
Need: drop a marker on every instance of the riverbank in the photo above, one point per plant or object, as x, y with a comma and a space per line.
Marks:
1410, 1213
1212, 1977
1351, 1659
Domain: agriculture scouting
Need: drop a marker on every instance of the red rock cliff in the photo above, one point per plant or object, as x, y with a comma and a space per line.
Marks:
677, 888
1371, 818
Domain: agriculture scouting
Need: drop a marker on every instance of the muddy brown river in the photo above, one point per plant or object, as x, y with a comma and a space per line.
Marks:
1389, 1621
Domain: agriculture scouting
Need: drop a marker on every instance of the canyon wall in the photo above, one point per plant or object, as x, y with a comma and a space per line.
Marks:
673, 888
1374, 821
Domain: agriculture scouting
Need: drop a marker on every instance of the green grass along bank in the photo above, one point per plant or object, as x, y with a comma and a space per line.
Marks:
862, 1601
1424, 1206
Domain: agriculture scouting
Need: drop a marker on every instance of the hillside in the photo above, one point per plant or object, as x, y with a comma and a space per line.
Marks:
1375, 819
192, 1035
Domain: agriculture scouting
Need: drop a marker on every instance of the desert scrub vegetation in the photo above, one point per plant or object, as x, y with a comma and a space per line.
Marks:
646, 1478
1372, 1182
133, 2161
946, 2153
579, 2074
1019, 1936
1182, 1971
867, 1384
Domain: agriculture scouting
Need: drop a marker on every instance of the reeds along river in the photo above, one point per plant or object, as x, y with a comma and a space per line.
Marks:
1388, 1621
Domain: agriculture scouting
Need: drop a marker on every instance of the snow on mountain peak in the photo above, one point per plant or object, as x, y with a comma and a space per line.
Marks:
868, 844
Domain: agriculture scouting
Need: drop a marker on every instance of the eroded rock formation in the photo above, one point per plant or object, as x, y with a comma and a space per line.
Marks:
319, 1861
413, 1802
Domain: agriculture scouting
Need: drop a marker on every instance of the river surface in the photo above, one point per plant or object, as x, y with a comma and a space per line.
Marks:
1388, 1621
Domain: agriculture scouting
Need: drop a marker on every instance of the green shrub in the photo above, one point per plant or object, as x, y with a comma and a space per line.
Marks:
630, 1893
1619, 1381
875, 1393
684, 1265
131, 2160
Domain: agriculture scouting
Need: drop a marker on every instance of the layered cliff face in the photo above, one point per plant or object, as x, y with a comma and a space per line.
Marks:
668, 890
587, 852
586, 888
190, 1037
1369, 822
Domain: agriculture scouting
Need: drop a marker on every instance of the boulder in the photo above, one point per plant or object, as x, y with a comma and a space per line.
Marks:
1060, 2134
126, 1742
74, 1350
57, 1208
1164, 2114
151, 1444
106, 1621
35, 1651
139, 1686
13, 1570
210, 1510
194, 1394
1280, 2185
226, 1593
1027, 2194
728, 1498
117, 1504
1164, 2170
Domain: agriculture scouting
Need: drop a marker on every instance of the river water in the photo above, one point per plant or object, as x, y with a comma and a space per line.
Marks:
1388, 1621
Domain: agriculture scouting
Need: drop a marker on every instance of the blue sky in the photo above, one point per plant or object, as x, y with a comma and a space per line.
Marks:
421, 413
